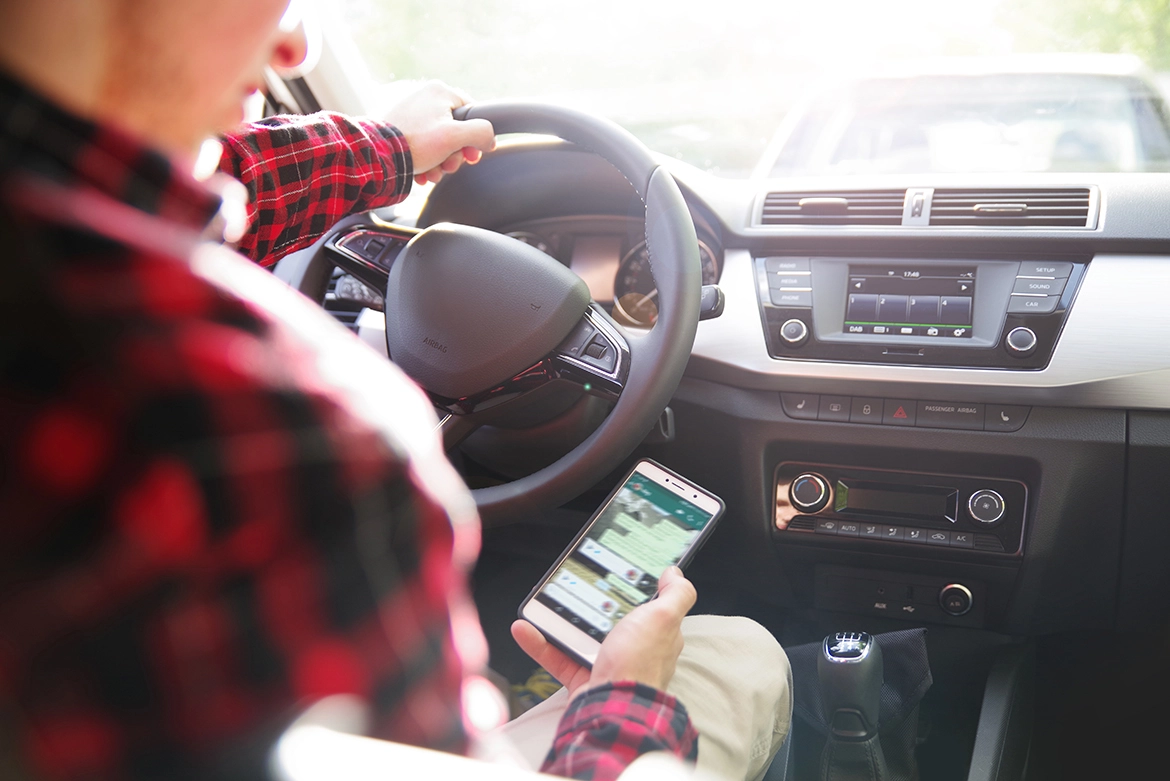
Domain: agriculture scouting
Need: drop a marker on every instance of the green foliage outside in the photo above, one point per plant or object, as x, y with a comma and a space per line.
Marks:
1140, 27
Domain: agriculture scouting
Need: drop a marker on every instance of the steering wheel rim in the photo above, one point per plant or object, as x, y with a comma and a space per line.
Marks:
658, 358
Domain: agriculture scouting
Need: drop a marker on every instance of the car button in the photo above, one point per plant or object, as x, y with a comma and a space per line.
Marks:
899, 412
892, 532
866, 411
939, 414
1036, 305
779, 265
1001, 417
834, 408
871, 530
848, 529
1058, 270
1044, 287
826, 526
802, 406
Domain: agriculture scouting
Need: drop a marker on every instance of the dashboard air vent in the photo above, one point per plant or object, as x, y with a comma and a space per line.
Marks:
1038, 208
843, 207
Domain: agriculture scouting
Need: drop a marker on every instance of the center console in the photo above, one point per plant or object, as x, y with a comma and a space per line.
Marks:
934, 312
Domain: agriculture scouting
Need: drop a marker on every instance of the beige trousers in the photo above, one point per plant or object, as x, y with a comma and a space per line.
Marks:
734, 679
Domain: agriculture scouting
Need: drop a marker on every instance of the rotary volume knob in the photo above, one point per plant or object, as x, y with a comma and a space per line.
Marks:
809, 492
1021, 342
794, 332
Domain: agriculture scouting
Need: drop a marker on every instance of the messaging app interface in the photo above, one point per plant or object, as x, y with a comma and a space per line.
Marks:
616, 566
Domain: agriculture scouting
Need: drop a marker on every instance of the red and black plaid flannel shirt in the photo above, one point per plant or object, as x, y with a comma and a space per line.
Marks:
203, 525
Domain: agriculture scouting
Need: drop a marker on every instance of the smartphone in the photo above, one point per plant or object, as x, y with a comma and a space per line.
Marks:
654, 519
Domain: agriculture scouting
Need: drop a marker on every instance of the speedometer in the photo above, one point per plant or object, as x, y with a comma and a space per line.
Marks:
635, 296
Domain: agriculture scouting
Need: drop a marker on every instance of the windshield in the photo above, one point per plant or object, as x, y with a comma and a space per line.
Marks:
772, 86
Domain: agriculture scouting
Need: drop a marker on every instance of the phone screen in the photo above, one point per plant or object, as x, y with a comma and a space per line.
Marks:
615, 567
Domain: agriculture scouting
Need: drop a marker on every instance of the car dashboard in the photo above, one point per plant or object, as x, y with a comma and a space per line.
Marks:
917, 407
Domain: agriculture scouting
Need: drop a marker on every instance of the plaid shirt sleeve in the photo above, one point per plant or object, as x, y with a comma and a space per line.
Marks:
607, 728
304, 173
201, 532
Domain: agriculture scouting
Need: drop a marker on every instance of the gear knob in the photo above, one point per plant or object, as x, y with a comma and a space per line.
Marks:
850, 676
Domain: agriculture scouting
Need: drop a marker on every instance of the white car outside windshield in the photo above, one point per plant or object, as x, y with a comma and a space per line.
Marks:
710, 83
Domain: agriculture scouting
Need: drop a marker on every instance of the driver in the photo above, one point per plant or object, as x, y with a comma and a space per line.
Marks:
209, 520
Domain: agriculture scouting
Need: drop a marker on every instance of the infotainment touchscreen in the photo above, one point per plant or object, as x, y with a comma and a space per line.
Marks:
908, 300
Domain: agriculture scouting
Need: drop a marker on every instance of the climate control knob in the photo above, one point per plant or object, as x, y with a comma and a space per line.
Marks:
809, 492
986, 506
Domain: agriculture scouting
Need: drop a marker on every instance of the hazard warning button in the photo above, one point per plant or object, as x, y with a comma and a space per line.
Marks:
899, 412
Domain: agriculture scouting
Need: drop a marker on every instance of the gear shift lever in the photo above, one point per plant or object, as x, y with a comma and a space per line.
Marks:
849, 671
850, 674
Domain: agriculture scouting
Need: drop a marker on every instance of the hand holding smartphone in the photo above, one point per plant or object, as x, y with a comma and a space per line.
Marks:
655, 519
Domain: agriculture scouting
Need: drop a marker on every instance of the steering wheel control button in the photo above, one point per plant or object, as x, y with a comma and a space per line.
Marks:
1020, 342
835, 409
574, 344
794, 332
955, 599
900, 412
866, 411
1027, 303
986, 506
809, 493
939, 414
600, 353
1001, 417
801, 406
1054, 270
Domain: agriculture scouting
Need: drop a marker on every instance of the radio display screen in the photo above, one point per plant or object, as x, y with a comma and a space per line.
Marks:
909, 300
934, 503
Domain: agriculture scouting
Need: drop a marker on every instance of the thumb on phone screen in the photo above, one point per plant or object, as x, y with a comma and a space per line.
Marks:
644, 646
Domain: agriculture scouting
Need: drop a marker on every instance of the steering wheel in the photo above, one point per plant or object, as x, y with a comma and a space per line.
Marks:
479, 319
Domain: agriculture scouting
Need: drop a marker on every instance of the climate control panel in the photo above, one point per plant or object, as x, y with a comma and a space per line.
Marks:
885, 507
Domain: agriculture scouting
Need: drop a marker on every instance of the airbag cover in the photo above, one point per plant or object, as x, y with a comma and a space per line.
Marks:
468, 308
